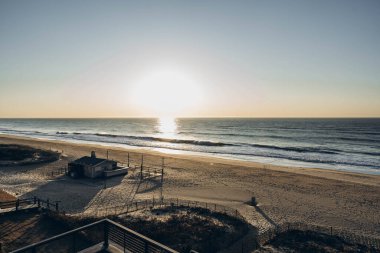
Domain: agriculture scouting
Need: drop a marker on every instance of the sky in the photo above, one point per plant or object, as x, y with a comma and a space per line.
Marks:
190, 58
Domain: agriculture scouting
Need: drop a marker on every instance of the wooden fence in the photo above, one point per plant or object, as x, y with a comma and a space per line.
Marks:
16, 204
27, 203
152, 203
371, 242
57, 172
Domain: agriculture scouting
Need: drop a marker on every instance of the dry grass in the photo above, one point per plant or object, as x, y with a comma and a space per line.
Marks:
310, 241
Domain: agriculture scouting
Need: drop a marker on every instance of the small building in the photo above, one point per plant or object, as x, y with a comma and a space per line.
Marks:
93, 167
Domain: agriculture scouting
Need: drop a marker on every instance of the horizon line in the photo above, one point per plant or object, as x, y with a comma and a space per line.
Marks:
207, 117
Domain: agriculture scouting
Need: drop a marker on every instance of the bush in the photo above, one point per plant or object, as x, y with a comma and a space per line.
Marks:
23, 155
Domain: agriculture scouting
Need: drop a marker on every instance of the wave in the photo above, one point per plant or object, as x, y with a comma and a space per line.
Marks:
237, 135
308, 160
315, 150
205, 143
298, 149
365, 153
158, 139
266, 155
19, 131
284, 137
357, 139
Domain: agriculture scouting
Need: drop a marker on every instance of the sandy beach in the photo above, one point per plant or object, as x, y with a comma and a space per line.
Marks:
342, 200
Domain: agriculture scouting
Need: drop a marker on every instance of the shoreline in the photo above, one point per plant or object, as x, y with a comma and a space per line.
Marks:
319, 172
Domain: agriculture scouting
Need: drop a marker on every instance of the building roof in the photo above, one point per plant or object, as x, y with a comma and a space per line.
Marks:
87, 160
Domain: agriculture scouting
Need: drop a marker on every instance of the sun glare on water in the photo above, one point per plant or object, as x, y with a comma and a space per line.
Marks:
166, 92
167, 126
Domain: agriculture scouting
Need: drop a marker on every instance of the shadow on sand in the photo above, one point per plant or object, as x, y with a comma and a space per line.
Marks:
266, 217
73, 195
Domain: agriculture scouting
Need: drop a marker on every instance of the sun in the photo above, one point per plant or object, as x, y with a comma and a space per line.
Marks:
166, 92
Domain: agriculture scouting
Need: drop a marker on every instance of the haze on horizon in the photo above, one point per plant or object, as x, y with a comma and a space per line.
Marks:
190, 58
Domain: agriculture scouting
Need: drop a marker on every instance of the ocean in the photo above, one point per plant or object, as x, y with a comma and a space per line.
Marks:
340, 144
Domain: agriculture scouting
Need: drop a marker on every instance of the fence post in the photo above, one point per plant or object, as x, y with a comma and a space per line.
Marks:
17, 204
128, 159
331, 231
34, 200
106, 236
39, 203
56, 206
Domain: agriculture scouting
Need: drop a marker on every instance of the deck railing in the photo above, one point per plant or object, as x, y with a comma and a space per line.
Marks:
104, 232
